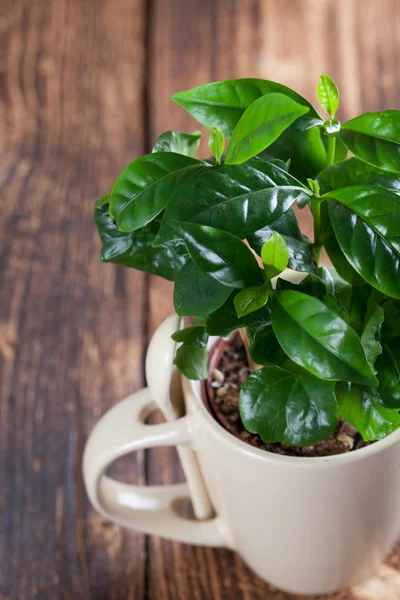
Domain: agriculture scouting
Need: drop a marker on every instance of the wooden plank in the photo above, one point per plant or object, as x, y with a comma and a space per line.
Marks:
71, 330
291, 41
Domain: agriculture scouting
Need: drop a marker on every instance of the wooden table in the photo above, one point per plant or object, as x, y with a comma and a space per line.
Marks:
85, 88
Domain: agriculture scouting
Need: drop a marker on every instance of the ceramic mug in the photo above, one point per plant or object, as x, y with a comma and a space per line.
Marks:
306, 525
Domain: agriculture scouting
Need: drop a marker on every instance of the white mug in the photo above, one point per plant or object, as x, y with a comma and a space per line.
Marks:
306, 525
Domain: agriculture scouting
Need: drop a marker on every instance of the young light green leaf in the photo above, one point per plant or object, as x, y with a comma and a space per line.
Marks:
216, 143
300, 249
196, 293
315, 337
371, 336
261, 125
314, 186
145, 186
225, 320
375, 138
220, 254
275, 255
181, 143
285, 407
223, 103
251, 299
361, 407
328, 95
135, 249
240, 198
366, 222
388, 366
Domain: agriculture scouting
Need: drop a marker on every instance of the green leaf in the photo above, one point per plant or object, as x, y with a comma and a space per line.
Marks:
305, 149
388, 366
300, 249
240, 199
197, 294
354, 171
366, 222
265, 347
251, 299
223, 103
220, 254
261, 124
361, 408
391, 324
135, 249
328, 95
192, 361
275, 255
145, 186
216, 143
285, 407
194, 335
191, 358
315, 337
375, 138
371, 336
225, 320
331, 245
181, 143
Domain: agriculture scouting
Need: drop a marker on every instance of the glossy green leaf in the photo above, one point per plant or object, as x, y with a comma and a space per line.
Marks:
388, 367
315, 337
191, 358
275, 255
145, 186
361, 407
354, 171
240, 199
225, 320
375, 138
194, 335
251, 299
135, 249
221, 255
264, 347
223, 103
261, 124
196, 293
181, 143
284, 407
300, 249
192, 361
331, 245
371, 336
366, 222
328, 95
216, 144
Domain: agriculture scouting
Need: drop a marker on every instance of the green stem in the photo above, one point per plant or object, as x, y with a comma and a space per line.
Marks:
316, 211
331, 149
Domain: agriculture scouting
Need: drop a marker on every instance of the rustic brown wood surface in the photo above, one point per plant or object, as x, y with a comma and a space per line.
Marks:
85, 87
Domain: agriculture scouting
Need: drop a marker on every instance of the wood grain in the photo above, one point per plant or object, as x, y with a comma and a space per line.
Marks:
85, 87
71, 330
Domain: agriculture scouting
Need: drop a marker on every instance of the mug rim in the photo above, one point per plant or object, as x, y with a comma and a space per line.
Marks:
305, 461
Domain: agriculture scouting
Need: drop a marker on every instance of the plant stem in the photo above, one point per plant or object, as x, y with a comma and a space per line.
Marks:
331, 149
316, 211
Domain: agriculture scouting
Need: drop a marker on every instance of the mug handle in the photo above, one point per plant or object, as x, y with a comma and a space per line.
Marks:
148, 509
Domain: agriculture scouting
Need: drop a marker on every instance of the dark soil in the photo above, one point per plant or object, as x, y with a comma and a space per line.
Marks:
228, 371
